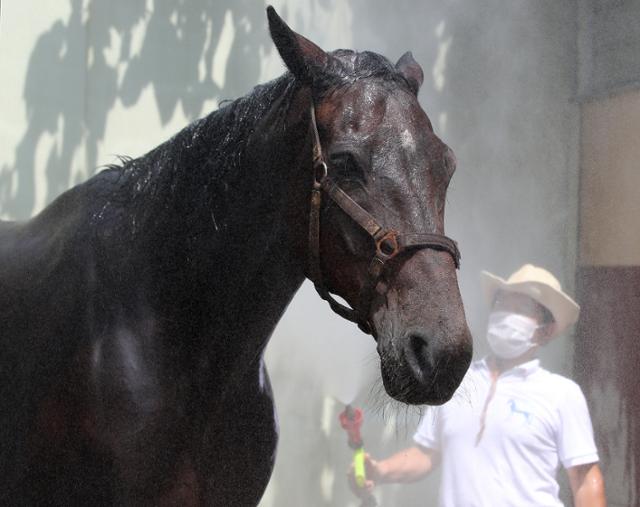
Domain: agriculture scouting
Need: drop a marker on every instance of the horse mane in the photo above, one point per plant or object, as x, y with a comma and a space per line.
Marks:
187, 174
183, 175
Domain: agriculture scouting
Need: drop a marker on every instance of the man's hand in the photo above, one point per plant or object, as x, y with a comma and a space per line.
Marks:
372, 468
409, 465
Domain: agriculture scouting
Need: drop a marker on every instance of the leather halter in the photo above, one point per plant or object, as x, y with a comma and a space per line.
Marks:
388, 242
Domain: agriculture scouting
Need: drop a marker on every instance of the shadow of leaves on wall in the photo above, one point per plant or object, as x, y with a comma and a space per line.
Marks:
73, 80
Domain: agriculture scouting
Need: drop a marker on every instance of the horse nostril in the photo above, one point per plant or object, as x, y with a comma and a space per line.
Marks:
420, 356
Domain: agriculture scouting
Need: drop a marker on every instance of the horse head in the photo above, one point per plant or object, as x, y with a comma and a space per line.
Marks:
380, 182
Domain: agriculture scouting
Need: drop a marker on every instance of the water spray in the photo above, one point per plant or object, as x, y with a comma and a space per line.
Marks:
351, 420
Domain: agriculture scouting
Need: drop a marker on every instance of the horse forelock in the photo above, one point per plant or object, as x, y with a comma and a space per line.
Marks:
347, 66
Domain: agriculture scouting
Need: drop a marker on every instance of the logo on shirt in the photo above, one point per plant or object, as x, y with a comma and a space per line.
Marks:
519, 411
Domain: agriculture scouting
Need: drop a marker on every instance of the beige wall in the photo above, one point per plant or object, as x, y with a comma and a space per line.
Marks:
610, 181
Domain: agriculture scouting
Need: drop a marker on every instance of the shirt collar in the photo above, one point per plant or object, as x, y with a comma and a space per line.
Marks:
523, 370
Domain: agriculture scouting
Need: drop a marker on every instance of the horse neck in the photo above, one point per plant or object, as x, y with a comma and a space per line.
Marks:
266, 240
244, 259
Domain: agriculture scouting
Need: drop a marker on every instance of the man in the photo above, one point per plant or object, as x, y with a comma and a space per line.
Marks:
500, 439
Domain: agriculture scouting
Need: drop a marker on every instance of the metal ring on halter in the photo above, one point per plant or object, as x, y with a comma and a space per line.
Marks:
387, 246
317, 179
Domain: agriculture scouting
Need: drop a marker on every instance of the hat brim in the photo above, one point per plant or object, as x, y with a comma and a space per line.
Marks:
565, 310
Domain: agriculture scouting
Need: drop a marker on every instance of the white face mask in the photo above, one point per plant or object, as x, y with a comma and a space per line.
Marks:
510, 335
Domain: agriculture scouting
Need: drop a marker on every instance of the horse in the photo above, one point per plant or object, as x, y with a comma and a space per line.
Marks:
135, 309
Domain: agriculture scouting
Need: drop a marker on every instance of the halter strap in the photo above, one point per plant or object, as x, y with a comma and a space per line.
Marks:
388, 242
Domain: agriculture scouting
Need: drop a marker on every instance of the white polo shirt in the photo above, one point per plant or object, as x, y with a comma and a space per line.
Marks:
534, 421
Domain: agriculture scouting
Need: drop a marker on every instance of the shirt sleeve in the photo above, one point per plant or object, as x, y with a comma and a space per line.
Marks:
576, 445
428, 433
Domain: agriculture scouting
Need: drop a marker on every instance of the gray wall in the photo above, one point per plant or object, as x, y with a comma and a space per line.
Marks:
609, 42
499, 83
86, 79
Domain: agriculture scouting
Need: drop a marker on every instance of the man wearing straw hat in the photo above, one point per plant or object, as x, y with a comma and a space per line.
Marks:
501, 438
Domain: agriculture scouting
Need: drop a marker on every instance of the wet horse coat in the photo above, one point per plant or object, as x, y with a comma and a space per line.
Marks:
135, 309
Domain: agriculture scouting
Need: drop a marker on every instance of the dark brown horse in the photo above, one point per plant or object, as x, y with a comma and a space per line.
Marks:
135, 309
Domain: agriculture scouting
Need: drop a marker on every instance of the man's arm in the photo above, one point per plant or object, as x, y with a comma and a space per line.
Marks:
587, 485
409, 465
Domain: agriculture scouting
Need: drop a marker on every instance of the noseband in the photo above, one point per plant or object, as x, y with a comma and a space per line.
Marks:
388, 242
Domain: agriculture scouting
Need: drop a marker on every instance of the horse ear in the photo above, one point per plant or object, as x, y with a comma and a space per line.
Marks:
411, 71
302, 57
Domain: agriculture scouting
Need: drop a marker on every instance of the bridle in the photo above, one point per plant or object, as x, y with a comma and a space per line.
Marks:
388, 242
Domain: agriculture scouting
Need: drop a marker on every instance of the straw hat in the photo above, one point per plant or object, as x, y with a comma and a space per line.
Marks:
541, 286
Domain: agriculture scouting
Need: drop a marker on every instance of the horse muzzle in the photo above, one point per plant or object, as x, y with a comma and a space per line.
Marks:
422, 370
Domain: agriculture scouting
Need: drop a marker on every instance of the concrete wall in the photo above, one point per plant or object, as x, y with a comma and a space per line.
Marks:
84, 80
609, 38
609, 248
500, 79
